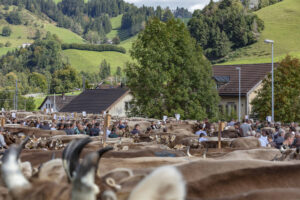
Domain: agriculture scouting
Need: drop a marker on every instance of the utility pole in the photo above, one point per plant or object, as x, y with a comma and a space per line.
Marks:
16, 95
239, 69
272, 43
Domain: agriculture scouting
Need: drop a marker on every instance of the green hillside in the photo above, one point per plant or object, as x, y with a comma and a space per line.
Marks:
25, 33
282, 24
89, 61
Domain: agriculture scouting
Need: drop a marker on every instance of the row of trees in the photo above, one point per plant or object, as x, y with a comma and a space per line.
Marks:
91, 47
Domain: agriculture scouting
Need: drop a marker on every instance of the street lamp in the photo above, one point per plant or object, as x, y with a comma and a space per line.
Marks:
239, 69
272, 42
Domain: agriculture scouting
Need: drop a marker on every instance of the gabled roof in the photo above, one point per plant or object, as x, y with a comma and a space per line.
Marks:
60, 101
251, 75
95, 101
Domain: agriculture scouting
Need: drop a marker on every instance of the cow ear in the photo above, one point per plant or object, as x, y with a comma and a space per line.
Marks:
11, 173
71, 155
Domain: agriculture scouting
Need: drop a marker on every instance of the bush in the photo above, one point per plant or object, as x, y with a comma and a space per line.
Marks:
116, 40
94, 47
6, 31
14, 18
8, 44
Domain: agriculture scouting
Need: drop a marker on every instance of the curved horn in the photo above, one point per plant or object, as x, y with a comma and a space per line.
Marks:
83, 185
10, 169
71, 155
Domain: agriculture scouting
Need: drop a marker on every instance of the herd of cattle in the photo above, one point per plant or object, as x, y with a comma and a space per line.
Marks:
162, 165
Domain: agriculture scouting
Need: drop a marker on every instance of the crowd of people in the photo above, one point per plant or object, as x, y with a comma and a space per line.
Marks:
269, 134
89, 127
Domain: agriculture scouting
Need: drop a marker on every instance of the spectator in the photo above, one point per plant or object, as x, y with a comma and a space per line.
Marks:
96, 130
136, 130
68, 130
245, 128
280, 138
201, 131
288, 140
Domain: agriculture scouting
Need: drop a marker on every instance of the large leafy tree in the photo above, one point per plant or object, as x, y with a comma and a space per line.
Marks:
65, 80
170, 74
286, 92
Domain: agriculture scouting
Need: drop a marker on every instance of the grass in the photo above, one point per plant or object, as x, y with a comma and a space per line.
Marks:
25, 33
89, 61
282, 24
65, 35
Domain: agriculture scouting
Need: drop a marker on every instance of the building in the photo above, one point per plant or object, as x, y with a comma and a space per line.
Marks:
227, 80
96, 101
56, 102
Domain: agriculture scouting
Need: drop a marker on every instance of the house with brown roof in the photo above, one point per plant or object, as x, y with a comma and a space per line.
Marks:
96, 101
227, 80
56, 102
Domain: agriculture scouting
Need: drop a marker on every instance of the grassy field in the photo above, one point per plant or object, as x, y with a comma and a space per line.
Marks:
25, 33
282, 24
89, 61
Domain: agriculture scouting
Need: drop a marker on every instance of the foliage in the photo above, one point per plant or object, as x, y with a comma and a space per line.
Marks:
182, 13
104, 70
170, 74
38, 82
92, 47
116, 40
6, 31
14, 17
265, 3
42, 55
64, 80
286, 93
8, 44
6, 101
223, 26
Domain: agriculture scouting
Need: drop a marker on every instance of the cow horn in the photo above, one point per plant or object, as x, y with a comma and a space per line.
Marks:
83, 185
71, 155
10, 169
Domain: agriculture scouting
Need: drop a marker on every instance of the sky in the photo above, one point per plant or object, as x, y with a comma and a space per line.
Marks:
191, 5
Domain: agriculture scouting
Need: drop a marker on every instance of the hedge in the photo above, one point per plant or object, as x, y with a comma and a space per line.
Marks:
94, 47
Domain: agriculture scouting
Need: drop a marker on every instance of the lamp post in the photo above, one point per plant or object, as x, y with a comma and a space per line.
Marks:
239, 69
272, 42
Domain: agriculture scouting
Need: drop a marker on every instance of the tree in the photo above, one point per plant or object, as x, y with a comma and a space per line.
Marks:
14, 18
119, 71
64, 80
38, 82
170, 74
286, 93
37, 35
104, 69
116, 40
6, 31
